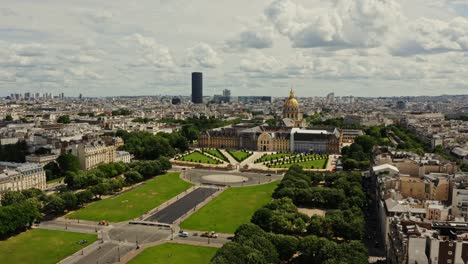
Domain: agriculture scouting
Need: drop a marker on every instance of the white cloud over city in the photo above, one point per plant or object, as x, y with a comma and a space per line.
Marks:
350, 47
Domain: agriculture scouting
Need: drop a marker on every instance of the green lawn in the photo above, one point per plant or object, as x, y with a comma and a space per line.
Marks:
215, 153
134, 203
273, 157
318, 164
55, 180
239, 155
40, 246
199, 158
230, 209
170, 253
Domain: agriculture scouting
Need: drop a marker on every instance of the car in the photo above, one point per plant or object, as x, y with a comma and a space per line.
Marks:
211, 234
183, 234
230, 238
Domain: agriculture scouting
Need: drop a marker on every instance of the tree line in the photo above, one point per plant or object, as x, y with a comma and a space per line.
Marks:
279, 233
21, 208
146, 146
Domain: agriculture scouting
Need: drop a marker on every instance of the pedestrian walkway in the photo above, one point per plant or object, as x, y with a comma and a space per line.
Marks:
233, 162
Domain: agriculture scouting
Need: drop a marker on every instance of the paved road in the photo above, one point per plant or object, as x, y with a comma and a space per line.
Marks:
108, 252
180, 207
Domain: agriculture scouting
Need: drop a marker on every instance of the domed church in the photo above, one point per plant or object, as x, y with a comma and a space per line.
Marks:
292, 116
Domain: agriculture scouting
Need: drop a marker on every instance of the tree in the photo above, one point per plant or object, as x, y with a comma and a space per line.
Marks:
286, 246
34, 193
55, 205
14, 152
18, 217
68, 162
8, 118
64, 119
70, 200
42, 151
133, 177
12, 197
52, 171
100, 189
190, 133
85, 196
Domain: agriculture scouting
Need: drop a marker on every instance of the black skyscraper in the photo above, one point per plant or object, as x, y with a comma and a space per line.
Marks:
197, 87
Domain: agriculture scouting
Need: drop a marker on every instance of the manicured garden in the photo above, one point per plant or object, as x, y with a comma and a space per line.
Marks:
136, 202
307, 161
216, 153
198, 157
311, 164
233, 207
271, 157
240, 155
40, 246
170, 253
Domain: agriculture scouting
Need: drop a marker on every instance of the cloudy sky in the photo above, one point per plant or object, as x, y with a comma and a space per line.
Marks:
253, 47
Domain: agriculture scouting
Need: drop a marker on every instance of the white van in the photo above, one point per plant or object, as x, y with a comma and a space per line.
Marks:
183, 234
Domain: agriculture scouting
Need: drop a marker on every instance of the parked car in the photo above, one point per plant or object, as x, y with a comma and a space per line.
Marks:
183, 234
211, 234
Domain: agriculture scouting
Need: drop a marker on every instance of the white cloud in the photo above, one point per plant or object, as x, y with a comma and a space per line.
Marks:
82, 59
347, 23
151, 53
433, 36
370, 47
202, 55
261, 38
261, 63
84, 73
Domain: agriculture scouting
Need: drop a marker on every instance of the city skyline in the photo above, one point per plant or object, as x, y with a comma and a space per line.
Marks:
360, 48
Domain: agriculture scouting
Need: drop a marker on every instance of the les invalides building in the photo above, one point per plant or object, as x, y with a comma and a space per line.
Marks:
290, 136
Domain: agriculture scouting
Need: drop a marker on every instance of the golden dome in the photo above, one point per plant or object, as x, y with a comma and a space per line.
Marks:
291, 102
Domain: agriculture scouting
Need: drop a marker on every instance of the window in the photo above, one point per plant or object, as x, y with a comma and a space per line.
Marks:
449, 261
450, 253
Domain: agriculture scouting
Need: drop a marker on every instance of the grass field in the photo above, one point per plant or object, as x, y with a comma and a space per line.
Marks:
239, 155
318, 164
199, 158
230, 209
55, 180
215, 153
41, 246
273, 157
134, 203
170, 253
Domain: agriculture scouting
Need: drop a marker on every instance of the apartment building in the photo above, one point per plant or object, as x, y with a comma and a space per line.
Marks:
21, 176
93, 154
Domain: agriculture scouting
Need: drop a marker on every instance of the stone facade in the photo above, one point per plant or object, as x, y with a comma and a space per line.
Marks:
21, 176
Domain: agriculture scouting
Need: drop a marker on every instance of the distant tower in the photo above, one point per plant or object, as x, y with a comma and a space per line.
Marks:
197, 87
227, 93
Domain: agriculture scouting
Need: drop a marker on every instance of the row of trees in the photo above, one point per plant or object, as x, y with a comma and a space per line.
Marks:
322, 190
279, 233
146, 146
252, 245
409, 140
359, 154
14, 152
21, 208
109, 176
121, 112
